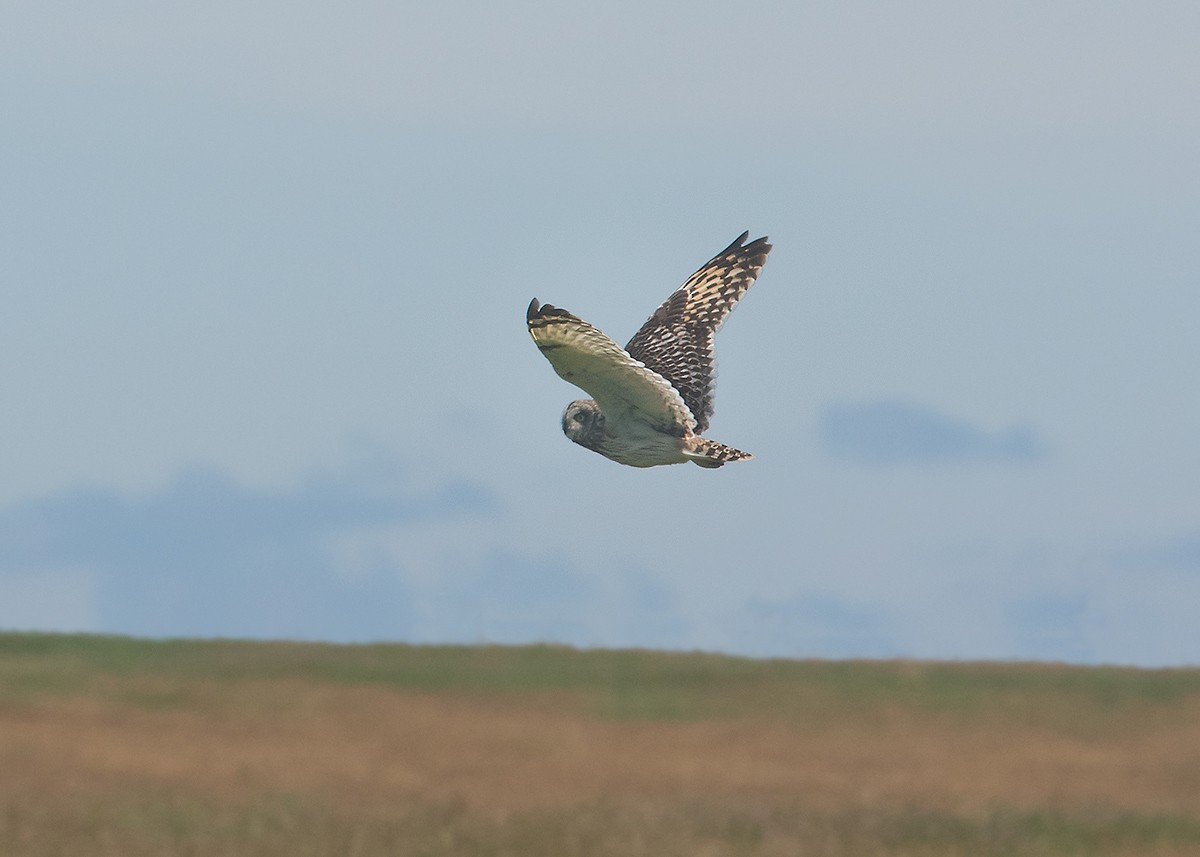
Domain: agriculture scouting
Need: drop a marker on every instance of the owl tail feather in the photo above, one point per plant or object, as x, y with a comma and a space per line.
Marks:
709, 453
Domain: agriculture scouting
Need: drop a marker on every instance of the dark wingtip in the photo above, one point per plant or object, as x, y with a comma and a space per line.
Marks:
540, 315
739, 243
757, 243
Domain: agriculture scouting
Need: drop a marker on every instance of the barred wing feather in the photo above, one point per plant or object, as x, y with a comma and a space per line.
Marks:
676, 342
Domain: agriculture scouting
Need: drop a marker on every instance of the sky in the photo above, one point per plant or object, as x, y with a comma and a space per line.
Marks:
264, 369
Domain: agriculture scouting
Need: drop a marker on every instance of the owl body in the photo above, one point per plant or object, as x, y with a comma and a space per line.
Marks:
653, 398
636, 443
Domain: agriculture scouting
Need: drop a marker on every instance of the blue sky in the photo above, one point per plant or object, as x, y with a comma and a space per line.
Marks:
265, 369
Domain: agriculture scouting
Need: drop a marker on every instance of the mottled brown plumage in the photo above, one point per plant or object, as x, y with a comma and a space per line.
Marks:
677, 340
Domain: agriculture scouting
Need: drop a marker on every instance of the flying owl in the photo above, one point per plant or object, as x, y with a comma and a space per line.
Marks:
652, 399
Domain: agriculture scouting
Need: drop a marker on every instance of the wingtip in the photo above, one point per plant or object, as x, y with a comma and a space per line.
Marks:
740, 244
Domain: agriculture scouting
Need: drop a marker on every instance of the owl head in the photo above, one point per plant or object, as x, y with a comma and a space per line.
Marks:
583, 422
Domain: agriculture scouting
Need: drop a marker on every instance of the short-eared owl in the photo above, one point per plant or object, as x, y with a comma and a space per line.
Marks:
652, 399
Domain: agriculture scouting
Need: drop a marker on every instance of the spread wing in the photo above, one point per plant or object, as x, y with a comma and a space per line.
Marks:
623, 387
677, 341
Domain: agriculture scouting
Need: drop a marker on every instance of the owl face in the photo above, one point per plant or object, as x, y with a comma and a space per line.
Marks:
583, 422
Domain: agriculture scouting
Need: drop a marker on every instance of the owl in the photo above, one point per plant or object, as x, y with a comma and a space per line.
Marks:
651, 400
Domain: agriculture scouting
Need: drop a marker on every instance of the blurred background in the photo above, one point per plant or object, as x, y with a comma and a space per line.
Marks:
264, 371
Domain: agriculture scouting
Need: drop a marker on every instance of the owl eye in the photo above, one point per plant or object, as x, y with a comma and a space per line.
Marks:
578, 417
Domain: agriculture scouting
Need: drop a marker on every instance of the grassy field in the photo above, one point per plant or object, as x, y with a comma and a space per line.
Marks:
113, 746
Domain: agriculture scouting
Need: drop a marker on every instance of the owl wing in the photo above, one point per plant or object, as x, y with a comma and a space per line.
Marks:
676, 342
623, 387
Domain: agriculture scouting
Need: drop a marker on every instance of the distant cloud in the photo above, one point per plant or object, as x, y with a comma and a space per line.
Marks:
60, 600
349, 556
514, 598
814, 624
207, 556
894, 431
1181, 553
506, 599
1049, 625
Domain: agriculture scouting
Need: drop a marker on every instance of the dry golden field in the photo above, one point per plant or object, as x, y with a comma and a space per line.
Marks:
111, 746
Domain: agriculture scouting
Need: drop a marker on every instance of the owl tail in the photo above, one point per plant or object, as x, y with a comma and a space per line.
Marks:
709, 453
